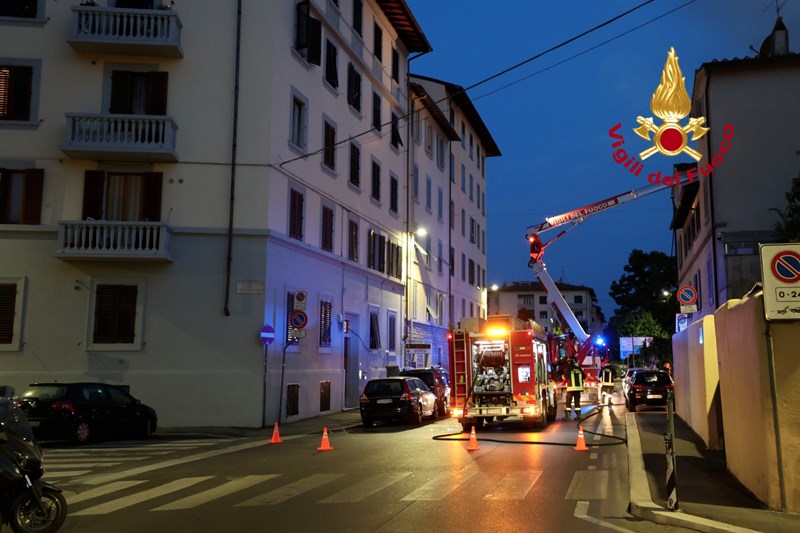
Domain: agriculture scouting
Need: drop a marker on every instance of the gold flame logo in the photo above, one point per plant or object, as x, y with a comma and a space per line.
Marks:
671, 103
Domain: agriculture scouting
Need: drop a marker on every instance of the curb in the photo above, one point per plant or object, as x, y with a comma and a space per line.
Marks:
641, 502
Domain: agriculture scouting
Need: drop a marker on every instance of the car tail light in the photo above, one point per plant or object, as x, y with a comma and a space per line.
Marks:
63, 405
671, 386
406, 393
363, 399
638, 387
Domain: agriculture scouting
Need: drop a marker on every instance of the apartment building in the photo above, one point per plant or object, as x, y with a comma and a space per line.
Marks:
181, 184
531, 296
746, 169
467, 189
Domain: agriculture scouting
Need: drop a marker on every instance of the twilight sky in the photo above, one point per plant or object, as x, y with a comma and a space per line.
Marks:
552, 124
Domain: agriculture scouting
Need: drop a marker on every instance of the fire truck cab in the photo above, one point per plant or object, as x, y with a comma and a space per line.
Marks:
498, 369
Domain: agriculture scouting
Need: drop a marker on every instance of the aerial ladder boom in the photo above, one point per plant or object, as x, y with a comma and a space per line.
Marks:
571, 219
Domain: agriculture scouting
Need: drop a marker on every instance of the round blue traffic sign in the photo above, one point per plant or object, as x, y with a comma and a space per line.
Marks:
785, 266
298, 319
267, 334
687, 295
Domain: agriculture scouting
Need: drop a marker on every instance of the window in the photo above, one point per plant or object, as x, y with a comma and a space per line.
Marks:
428, 138
138, 93
391, 331
428, 250
308, 34
579, 314
375, 191
478, 195
440, 251
463, 178
415, 185
21, 196
543, 300
28, 9
543, 315
376, 251
463, 223
11, 298
710, 279
353, 87
471, 182
376, 111
472, 229
325, 310
463, 267
452, 168
452, 261
122, 195
377, 42
352, 240
471, 272
483, 204
479, 156
440, 151
397, 141
394, 263
451, 213
16, 83
428, 193
393, 194
395, 65
470, 147
355, 165
374, 331
299, 122
296, 200
327, 229
358, 17
440, 204
463, 135
115, 314
331, 66
578, 299
329, 147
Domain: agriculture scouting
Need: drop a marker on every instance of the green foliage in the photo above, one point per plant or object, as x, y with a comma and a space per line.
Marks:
788, 228
642, 286
640, 324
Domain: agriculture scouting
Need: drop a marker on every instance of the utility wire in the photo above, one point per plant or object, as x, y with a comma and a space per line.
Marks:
481, 82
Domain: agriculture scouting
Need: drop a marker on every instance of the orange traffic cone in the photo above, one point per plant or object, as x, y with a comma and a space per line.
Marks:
324, 445
473, 441
276, 436
581, 444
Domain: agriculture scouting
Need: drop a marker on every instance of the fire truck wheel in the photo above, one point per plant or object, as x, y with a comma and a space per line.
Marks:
552, 411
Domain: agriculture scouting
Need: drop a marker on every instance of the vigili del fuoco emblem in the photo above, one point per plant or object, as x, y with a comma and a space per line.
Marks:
671, 104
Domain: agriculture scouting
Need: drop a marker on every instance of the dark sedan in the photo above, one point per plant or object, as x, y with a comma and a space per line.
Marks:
397, 398
85, 411
648, 387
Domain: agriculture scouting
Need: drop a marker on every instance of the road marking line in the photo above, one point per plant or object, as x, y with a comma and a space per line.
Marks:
223, 490
581, 511
101, 491
52, 465
588, 485
514, 486
440, 486
105, 478
291, 490
365, 488
139, 497
67, 473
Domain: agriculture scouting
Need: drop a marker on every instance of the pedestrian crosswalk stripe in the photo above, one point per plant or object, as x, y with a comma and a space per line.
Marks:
365, 488
291, 490
588, 485
65, 473
514, 486
101, 491
440, 486
225, 489
139, 497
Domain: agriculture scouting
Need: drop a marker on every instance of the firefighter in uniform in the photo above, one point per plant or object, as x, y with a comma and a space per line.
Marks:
607, 376
574, 388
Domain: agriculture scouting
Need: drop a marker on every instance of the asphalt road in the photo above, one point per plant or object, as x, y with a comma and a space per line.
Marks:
389, 478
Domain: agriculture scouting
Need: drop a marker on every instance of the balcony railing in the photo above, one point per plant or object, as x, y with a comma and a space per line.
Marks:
102, 239
141, 32
120, 137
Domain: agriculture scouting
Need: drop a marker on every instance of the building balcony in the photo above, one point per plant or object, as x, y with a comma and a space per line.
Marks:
133, 32
103, 240
120, 137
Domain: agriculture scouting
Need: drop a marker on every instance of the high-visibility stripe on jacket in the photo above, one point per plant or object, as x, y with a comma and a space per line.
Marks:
575, 379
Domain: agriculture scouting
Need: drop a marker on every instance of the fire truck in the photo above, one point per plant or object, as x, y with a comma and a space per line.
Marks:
576, 343
498, 369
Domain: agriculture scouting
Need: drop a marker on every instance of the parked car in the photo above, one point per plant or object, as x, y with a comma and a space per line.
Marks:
648, 387
437, 381
626, 378
397, 398
85, 411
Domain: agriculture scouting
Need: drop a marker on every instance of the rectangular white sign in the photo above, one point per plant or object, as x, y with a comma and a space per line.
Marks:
780, 273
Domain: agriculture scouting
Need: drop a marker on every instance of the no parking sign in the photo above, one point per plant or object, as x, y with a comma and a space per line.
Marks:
780, 272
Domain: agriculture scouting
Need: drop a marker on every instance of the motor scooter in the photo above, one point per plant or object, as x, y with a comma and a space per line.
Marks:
27, 504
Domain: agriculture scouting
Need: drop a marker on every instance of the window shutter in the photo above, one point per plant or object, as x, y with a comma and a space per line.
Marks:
93, 181
5, 179
331, 64
115, 314
120, 92
314, 31
296, 215
374, 332
151, 196
301, 27
157, 93
126, 321
381, 253
8, 302
20, 94
32, 196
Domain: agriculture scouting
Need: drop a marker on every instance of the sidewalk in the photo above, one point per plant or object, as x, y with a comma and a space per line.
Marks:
709, 497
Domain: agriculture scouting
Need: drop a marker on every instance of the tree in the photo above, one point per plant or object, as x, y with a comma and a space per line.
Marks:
640, 324
788, 228
648, 284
